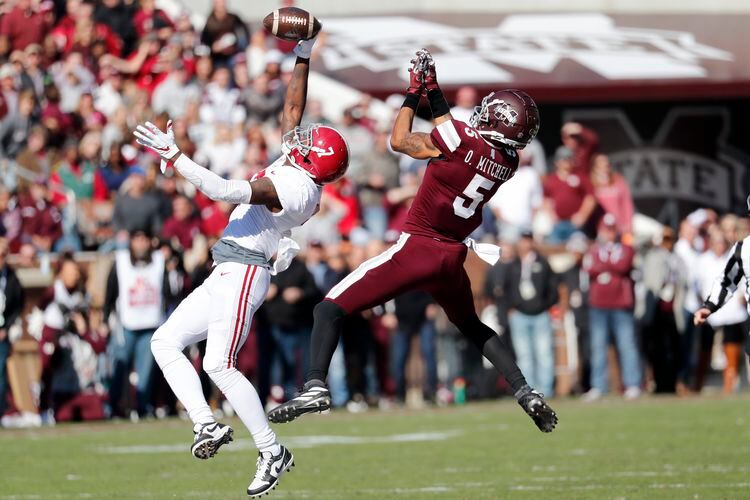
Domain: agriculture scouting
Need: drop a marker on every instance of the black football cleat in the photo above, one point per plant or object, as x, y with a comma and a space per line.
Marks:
209, 438
536, 407
314, 398
269, 470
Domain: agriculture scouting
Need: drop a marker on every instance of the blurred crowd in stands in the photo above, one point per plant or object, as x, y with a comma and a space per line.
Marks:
587, 307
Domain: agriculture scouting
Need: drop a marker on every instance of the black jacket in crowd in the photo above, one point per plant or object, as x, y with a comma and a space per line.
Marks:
300, 314
545, 285
14, 297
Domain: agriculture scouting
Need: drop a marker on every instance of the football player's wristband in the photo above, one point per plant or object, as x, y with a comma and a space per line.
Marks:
411, 101
438, 104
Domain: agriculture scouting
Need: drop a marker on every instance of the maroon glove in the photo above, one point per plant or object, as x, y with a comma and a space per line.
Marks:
415, 78
428, 70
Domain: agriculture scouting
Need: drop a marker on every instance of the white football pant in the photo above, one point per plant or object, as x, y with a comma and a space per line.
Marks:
221, 311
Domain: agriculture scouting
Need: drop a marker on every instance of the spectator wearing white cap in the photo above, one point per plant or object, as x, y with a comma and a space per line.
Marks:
609, 263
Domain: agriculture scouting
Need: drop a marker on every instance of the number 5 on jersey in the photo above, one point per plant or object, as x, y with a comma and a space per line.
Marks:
472, 194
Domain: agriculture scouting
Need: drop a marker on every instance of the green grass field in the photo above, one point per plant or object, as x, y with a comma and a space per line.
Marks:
653, 448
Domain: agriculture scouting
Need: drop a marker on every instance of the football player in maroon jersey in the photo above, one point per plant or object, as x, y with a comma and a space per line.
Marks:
468, 163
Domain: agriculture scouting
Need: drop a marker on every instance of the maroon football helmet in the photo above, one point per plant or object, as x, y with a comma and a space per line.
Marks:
507, 118
319, 150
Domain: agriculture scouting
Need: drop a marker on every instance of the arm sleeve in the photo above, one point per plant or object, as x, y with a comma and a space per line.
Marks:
725, 285
445, 137
213, 186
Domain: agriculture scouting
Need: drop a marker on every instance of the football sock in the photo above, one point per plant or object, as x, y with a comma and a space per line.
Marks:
244, 399
733, 351
325, 337
494, 348
183, 379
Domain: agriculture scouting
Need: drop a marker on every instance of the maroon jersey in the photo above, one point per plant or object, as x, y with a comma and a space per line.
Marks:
458, 183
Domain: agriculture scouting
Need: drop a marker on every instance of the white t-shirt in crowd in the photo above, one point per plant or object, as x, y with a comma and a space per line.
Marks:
518, 199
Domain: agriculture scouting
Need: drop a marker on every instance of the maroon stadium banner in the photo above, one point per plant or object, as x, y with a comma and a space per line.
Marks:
557, 57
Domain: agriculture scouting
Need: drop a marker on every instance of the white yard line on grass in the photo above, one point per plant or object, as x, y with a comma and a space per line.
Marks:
292, 442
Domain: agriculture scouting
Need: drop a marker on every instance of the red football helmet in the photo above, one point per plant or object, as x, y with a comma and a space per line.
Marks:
507, 118
319, 150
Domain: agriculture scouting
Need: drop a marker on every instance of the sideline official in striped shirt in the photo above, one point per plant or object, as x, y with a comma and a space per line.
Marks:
726, 284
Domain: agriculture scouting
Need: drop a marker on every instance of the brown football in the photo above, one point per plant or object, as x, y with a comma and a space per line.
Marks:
292, 23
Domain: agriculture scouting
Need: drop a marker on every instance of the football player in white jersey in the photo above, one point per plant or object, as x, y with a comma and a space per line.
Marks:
284, 195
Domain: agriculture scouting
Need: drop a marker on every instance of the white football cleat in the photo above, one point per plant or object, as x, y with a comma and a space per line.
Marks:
269, 470
209, 438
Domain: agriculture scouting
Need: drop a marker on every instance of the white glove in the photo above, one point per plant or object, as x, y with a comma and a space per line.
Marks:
150, 136
163, 164
304, 48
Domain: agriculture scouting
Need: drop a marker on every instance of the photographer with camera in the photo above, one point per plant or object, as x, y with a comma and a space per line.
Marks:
69, 350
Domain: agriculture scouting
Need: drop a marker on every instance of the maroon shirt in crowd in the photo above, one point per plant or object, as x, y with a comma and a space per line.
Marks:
39, 218
23, 27
609, 266
184, 230
567, 194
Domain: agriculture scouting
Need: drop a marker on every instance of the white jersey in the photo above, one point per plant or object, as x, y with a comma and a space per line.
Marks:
140, 298
256, 228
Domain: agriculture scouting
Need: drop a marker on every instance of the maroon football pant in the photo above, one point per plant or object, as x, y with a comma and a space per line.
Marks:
414, 262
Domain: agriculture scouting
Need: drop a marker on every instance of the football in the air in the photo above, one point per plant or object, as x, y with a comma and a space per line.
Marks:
292, 23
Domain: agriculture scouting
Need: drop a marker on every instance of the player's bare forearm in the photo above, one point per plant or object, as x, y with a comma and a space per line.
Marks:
296, 96
440, 119
418, 145
264, 193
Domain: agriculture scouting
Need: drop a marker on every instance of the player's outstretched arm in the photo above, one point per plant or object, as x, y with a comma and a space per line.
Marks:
441, 112
415, 144
296, 92
258, 192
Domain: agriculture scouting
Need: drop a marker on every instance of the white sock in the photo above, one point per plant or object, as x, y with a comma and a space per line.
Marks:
184, 381
244, 399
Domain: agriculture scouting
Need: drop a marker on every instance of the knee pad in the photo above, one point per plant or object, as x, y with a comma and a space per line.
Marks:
223, 377
328, 311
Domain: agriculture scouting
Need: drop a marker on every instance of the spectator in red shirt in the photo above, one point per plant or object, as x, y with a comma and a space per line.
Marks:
41, 220
79, 28
609, 264
612, 193
343, 194
21, 27
583, 142
149, 19
183, 226
568, 196
215, 218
